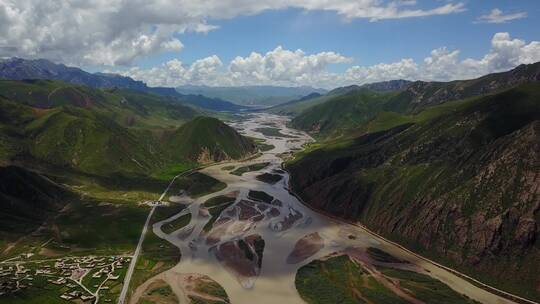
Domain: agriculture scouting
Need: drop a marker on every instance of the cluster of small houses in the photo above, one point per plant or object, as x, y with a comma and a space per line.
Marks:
15, 277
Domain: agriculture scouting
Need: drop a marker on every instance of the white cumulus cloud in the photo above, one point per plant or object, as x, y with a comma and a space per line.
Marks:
295, 68
115, 32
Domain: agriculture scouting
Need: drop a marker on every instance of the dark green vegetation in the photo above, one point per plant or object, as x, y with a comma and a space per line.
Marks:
218, 200
215, 206
255, 167
260, 196
34, 198
269, 178
97, 228
275, 132
75, 160
206, 139
341, 280
262, 145
158, 292
196, 184
296, 107
380, 255
424, 287
213, 289
466, 169
178, 223
106, 132
170, 172
341, 112
76, 224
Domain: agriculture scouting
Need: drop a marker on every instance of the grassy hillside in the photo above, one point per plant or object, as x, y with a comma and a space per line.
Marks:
75, 138
297, 106
206, 139
340, 279
341, 112
420, 94
107, 132
345, 109
127, 108
466, 169
27, 199
74, 160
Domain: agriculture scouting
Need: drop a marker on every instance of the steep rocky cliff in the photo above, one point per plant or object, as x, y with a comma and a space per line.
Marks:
462, 187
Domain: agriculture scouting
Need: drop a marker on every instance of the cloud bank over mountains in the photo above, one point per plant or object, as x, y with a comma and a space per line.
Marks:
116, 32
285, 67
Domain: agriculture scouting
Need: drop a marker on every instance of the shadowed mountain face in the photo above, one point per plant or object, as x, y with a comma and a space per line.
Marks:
468, 170
26, 196
21, 69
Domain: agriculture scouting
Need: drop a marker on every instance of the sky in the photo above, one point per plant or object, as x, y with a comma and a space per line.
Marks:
318, 43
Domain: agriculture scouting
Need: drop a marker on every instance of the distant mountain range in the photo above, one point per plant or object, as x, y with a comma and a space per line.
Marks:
20, 69
295, 107
349, 107
252, 95
381, 87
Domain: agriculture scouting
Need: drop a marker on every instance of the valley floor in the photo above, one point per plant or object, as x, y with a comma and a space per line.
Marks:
254, 239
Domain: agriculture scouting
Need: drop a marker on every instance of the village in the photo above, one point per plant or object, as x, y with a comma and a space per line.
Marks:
87, 279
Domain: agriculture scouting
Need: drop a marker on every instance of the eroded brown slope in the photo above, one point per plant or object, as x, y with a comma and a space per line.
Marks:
462, 188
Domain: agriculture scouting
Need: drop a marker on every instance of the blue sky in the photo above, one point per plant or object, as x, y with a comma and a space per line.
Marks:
318, 43
366, 42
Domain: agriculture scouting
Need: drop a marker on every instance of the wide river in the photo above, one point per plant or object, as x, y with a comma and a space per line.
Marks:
275, 282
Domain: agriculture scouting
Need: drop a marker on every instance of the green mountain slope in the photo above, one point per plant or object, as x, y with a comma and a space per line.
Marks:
207, 139
22, 69
345, 109
74, 161
105, 132
295, 107
76, 138
27, 199
341, 112
422, 94
468, 170
128, 108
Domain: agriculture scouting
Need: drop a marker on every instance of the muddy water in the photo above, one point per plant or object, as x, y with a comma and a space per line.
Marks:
275, 283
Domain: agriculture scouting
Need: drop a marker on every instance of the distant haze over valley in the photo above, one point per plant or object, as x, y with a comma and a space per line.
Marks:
252, 95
